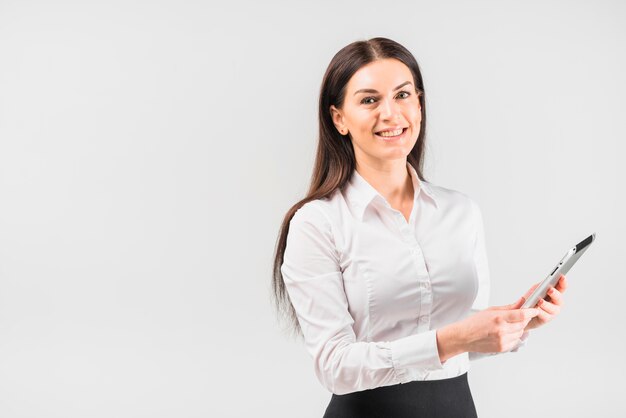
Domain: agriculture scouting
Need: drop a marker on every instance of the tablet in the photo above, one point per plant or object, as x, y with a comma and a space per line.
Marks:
566, 263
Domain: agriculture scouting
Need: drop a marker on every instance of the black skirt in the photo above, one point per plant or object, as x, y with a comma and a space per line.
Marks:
419, 399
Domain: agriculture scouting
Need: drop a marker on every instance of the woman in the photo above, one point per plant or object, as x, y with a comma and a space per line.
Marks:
383, 273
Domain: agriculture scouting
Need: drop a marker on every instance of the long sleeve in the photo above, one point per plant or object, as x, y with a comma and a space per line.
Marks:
313, 278
482, 270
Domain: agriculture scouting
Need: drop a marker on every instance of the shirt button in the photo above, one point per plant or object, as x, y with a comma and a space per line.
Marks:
426, 285
423, 319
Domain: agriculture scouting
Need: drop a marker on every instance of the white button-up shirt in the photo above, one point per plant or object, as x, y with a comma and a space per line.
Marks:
370, 289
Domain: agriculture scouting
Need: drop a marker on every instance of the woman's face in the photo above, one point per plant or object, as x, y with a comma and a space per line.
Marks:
381, 112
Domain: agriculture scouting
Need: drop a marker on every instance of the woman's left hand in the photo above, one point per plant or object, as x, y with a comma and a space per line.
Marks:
549, 307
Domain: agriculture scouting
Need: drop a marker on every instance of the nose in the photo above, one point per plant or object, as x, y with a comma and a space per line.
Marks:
388, 109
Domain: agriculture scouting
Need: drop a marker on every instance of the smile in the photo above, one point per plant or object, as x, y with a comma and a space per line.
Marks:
391, 135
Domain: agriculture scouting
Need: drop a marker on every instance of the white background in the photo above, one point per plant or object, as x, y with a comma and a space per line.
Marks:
149, 151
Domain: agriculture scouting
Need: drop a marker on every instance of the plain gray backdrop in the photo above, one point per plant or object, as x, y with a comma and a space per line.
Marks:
150, 149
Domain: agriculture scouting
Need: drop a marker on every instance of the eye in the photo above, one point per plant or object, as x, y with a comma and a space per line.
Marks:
406, 93
366, 100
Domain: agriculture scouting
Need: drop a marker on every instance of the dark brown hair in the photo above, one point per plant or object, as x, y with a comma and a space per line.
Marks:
335, 161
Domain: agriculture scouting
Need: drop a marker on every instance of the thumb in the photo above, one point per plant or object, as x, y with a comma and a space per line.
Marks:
519, 303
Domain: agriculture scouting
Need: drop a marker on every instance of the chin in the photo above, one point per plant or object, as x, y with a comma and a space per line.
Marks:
394, 154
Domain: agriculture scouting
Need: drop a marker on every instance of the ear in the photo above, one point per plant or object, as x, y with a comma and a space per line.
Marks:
337, 116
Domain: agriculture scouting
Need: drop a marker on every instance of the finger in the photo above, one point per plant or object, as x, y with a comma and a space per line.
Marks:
520, 302
555, 296
544, 317
531, 290
549, 307
562, 283
521, 315
517, 327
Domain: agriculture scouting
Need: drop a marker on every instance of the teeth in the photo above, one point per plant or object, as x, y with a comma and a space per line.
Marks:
391, 133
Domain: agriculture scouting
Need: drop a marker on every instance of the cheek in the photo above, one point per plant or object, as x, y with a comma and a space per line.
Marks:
366, 123
413, 113
361, 120
418, 115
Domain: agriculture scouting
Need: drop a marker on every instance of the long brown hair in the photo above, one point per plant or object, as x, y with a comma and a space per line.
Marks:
335, 161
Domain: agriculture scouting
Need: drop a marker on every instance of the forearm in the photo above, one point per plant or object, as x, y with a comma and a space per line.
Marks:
450, 341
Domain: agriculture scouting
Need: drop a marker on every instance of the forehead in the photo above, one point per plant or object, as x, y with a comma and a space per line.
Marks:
381, 75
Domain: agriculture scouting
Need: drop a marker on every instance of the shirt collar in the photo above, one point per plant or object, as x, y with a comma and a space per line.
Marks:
360, 194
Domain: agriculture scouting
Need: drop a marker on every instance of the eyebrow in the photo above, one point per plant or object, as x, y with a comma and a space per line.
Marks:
375, 91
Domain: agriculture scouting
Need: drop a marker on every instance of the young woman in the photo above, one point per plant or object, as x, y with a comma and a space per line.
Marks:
383, 273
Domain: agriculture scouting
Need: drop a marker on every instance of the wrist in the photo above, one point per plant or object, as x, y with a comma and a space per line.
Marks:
450, 341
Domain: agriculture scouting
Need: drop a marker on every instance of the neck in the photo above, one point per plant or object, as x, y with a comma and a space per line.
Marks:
391, 179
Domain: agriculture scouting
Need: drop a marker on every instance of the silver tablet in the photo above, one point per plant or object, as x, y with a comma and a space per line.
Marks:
566, 263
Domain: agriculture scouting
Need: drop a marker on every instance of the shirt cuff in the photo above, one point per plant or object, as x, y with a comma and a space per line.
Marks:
416, 351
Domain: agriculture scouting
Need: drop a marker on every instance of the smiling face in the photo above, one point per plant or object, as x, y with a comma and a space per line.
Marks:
381, 112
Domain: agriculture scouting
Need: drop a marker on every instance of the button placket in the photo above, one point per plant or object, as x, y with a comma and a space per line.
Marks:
424, 284
423, 279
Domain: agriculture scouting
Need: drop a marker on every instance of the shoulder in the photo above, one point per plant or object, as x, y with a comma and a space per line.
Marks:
311, 212
319, 212
451, 198
311, 233
322, 218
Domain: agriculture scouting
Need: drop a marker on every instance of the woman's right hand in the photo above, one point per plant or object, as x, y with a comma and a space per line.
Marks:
496, 329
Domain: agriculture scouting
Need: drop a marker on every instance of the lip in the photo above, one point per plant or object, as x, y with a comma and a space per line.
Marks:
392, 138
393, 128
